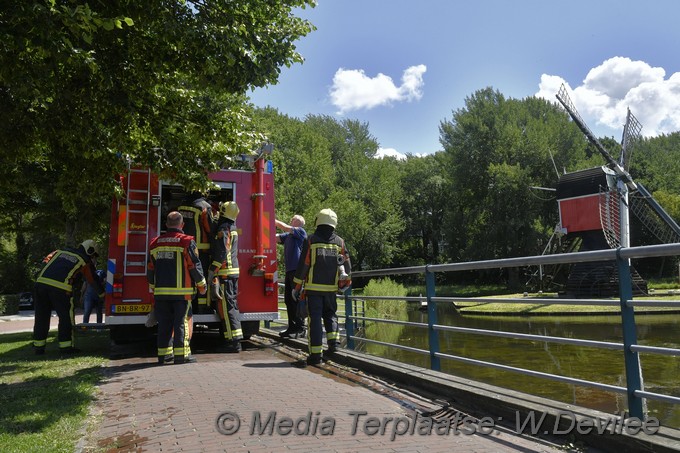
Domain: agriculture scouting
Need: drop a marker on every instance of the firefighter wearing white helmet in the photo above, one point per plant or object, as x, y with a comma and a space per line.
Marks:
224, 272
323, 255
199, 223
63, 269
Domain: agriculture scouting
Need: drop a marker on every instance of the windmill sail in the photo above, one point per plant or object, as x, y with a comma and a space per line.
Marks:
564, 99
653, 216
631, 136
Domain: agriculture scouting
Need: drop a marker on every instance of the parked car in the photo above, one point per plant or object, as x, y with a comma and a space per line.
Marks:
26, 301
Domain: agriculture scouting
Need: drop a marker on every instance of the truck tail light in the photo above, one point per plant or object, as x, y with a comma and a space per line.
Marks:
269, 284
117, 285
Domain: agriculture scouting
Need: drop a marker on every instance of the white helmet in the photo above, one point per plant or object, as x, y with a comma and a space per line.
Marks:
327, 217
229, 209
90, 247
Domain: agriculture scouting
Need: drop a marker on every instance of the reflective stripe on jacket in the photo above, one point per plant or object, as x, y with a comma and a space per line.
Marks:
318, 267
225, 251
173, 266
198, 222
64, 267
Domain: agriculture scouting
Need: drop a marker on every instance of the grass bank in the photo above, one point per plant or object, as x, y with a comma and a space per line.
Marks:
526, 308
45, 399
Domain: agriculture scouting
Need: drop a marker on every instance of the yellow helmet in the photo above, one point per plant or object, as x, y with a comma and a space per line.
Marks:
90, 247
327, 217
229, 209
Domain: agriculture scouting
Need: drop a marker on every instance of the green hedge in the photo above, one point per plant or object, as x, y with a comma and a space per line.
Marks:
9, 304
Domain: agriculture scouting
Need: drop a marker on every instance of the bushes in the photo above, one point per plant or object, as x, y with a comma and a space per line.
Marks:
384, 308
9, 304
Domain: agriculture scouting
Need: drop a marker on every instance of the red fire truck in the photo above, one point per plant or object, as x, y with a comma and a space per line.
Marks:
140, 215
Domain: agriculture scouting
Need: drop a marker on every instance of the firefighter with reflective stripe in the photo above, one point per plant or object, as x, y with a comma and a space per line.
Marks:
199, 223
224, 272
323, 262
53, 290
173, 269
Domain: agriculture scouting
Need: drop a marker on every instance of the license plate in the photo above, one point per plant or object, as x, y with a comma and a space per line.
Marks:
131, 308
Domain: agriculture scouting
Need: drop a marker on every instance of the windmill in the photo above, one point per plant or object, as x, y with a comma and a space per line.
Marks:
594, 206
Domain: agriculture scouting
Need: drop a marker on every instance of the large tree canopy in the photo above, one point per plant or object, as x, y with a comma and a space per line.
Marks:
497, 150
87, 88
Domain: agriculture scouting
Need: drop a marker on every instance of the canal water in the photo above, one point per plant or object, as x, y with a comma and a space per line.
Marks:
661, 374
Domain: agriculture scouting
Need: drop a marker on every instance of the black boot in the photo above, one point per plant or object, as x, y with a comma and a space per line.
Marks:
166, 359
314, 359
233, 347
185, 359
332, 347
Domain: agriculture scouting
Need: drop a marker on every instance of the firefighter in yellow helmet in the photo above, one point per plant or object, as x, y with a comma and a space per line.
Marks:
324, 267
53, 290
224, 272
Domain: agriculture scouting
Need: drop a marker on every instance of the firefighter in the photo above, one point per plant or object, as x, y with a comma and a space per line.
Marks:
323, 261
224, 274
54, 291
173, 269
199, 223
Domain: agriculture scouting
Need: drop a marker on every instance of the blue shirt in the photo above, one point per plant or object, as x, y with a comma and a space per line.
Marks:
90, 291
292, 246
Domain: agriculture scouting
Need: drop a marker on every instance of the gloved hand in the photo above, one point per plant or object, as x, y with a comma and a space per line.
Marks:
151, 319
216, 288
202, 290
296, 293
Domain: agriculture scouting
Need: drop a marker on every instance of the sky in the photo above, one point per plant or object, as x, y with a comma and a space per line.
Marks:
403, 67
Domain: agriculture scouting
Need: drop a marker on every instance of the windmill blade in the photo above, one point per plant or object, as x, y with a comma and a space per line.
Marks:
610, 217
631, 136
564, 99
653, 216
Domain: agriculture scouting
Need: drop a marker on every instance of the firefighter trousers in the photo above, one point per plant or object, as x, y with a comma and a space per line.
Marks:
48, 298
173, 329
201, 303
322, 310
228, 309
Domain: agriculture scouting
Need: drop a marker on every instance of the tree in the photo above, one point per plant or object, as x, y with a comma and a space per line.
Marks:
302, 164
366, 192
87, 89
424, 200
161, 83
496, 150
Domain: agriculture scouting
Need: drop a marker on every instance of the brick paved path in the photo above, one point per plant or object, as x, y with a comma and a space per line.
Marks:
144, 407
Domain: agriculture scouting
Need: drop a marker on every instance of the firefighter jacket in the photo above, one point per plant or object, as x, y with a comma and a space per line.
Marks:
198, 221
225, 250
65, 268
173, 266
321, 255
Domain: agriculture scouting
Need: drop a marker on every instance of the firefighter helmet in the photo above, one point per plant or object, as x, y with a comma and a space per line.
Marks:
90, 247
229, 209
327, 217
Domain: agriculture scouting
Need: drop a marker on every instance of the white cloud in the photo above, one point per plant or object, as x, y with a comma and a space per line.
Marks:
353, 90
620, 83
389, 152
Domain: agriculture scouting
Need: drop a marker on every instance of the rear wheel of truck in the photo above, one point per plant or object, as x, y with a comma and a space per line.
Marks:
250, 328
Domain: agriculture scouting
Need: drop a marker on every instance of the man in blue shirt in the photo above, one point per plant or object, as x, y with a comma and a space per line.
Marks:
91, 299
292, 239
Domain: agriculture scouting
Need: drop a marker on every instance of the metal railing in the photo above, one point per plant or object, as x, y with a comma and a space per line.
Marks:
634, 388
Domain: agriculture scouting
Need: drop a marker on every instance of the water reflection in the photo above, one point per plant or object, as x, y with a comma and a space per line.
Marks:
661, 373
